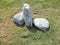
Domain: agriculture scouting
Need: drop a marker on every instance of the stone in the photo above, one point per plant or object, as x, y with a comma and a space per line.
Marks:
27, 15
18, 18
41, 23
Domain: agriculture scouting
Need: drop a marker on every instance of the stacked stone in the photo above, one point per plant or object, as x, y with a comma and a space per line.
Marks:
26, 17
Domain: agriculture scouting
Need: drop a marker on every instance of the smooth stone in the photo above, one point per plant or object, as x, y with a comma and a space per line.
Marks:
18, 18
27, 15
41, 23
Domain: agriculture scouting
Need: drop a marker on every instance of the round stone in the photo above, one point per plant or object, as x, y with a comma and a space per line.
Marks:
41, 23
18, 18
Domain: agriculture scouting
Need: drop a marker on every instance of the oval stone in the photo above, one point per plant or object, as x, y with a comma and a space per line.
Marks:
41, 23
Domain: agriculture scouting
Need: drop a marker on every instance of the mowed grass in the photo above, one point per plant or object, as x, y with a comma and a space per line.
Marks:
11, 34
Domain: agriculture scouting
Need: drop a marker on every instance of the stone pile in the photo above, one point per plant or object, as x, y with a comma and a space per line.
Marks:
26, 17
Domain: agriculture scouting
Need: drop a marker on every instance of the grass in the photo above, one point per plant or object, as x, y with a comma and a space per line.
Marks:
11, 34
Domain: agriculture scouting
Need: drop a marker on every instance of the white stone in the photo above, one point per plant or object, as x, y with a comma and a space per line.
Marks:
18, 18
41, 23
27, 15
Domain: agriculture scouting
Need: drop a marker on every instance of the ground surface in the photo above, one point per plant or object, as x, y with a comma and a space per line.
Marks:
11, 34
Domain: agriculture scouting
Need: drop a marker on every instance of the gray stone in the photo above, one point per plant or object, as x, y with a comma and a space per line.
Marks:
27, 15
18, 18
41, 23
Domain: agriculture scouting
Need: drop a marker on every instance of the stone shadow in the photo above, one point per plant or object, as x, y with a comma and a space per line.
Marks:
34, 29
45, 30
19, 25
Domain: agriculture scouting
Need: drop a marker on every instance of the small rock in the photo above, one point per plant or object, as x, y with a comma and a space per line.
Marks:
18, 18
41, 23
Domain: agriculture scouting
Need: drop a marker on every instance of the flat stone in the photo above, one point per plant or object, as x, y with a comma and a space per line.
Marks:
18, 18
41, 23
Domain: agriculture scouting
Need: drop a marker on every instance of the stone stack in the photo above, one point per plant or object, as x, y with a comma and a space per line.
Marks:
26, 17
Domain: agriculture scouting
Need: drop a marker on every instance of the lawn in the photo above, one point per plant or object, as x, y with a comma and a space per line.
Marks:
11, 34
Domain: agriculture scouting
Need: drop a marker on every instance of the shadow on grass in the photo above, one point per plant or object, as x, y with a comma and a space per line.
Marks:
19, 25
33, 28
45, 30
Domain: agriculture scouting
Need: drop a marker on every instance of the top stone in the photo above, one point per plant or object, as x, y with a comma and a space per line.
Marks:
27, 15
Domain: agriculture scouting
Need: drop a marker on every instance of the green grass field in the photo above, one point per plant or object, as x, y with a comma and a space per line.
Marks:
11, 34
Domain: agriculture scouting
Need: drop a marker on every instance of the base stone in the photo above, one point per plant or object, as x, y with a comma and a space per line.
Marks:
18, 18
41, 23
